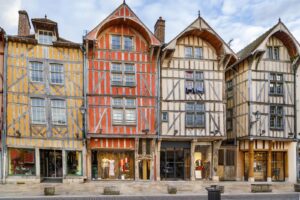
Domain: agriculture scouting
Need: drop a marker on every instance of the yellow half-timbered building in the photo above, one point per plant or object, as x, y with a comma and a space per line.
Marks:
44, 123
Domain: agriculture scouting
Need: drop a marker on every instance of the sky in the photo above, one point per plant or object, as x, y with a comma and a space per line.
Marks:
240, 20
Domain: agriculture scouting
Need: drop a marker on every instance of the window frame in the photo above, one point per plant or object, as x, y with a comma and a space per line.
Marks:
32, 121
273, 52
124, 42
201, 52
113, 45
40, 71
276, 83
185, 52
60, 108
41, 39
194, 112
166, 118
67, 169
62, 73
124, 74
276, 115
122, 108
194, 80
229, 119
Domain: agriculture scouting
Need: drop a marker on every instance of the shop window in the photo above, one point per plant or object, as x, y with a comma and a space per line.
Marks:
57, 74
38, 111
195, 115
58, 110
115, 165
124, 111
21, 162
36, 72
276, 84
123, 74
45, 37
74, 163
194, 82
276, 117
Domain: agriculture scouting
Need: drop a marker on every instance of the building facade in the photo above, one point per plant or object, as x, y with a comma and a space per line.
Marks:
260, 90
192, 103
44, 92
122, 72
2, 47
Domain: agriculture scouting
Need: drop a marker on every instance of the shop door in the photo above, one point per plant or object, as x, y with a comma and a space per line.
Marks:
51, 165
229, 169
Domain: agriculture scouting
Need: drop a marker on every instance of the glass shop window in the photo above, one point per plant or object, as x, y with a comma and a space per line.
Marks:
74, 163
21, 162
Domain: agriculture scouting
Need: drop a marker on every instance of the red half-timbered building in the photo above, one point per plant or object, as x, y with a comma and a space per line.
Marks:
122, 85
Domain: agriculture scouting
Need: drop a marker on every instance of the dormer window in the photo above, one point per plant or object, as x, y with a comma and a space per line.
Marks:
45, 37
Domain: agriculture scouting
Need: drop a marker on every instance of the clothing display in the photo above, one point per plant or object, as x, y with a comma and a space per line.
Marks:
111, 168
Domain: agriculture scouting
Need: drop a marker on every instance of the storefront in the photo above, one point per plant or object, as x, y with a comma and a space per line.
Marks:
202, 158
175, 160
21, 162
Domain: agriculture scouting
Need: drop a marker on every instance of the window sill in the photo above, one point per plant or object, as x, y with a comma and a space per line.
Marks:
134, 125
194, 126
123, 85
57, 84
59, 124
38, 124
276, 129
274, 94
37, 82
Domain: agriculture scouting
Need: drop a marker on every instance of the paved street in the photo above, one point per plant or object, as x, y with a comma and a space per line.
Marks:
290, 196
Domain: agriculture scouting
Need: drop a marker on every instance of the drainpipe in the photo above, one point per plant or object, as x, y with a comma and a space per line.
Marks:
3, 137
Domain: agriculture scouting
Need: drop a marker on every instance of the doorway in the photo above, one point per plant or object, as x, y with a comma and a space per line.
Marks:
51, 165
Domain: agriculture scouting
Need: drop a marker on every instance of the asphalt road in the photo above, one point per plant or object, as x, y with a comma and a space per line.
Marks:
291, 196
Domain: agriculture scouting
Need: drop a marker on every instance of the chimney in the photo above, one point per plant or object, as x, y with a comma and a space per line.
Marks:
24, 24
159, 29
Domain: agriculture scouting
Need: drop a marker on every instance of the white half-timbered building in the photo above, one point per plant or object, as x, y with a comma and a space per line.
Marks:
192, 103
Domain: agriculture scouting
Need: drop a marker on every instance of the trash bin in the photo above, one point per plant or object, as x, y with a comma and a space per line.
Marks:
214, 193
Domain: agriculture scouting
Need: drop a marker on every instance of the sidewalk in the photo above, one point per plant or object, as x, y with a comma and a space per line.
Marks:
95, 188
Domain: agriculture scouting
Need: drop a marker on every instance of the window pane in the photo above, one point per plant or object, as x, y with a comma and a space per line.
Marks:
199, 120
129, 68
189, 106
279, 122
189, 75
117, 102
21, 162
130, 102
74, 163
279, 77
38, 112
164, 116
117, 116
128, 44
130, 116
129, 79
57, 73
270, 52
115, 42
272, 109
188, 52
189, 119
58, 109
116, 79
198, 52
276, 53
199, 86
279, 110
116, 67
189, 84
272, 88
199, 107
272, 77
36, 72
199, 75
272, 121
45, 37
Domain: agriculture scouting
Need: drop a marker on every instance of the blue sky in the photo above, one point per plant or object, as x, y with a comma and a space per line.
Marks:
241, 20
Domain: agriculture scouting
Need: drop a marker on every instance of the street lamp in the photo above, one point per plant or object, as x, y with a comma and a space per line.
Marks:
83, 111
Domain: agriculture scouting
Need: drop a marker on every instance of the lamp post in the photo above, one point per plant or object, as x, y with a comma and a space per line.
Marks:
83, 112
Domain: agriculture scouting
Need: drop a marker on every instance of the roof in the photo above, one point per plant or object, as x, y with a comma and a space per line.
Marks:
201, 27
123, 14
45, 24
280, 31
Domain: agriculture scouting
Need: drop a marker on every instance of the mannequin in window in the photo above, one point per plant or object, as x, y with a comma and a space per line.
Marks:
111, 168
105, 167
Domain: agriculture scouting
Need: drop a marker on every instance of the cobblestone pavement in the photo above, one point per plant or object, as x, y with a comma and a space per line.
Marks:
136, 188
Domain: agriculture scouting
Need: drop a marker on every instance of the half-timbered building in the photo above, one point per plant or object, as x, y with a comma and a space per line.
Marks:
192, 103
122, 56
2, 47
44, 93
261, 102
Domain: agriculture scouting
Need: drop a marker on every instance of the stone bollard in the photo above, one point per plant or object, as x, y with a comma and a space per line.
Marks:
111, 190
49, 191
172, 189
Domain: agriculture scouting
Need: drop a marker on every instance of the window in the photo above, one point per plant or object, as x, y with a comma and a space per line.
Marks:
276, 84
124, 111
57, 74
273, 53
58, 110
194, 82
36, 72
198, 52
115, 42
128, 43
21, 162
123, 75
165, 116
74, 163
38, 112
45, 37
188, 52
276, 117
229, 121
195, 115
229, 88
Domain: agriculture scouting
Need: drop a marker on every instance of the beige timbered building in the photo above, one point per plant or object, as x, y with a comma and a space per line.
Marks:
261, 102
192, 103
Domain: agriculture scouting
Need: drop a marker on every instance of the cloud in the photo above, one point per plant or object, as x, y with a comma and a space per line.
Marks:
242, 20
